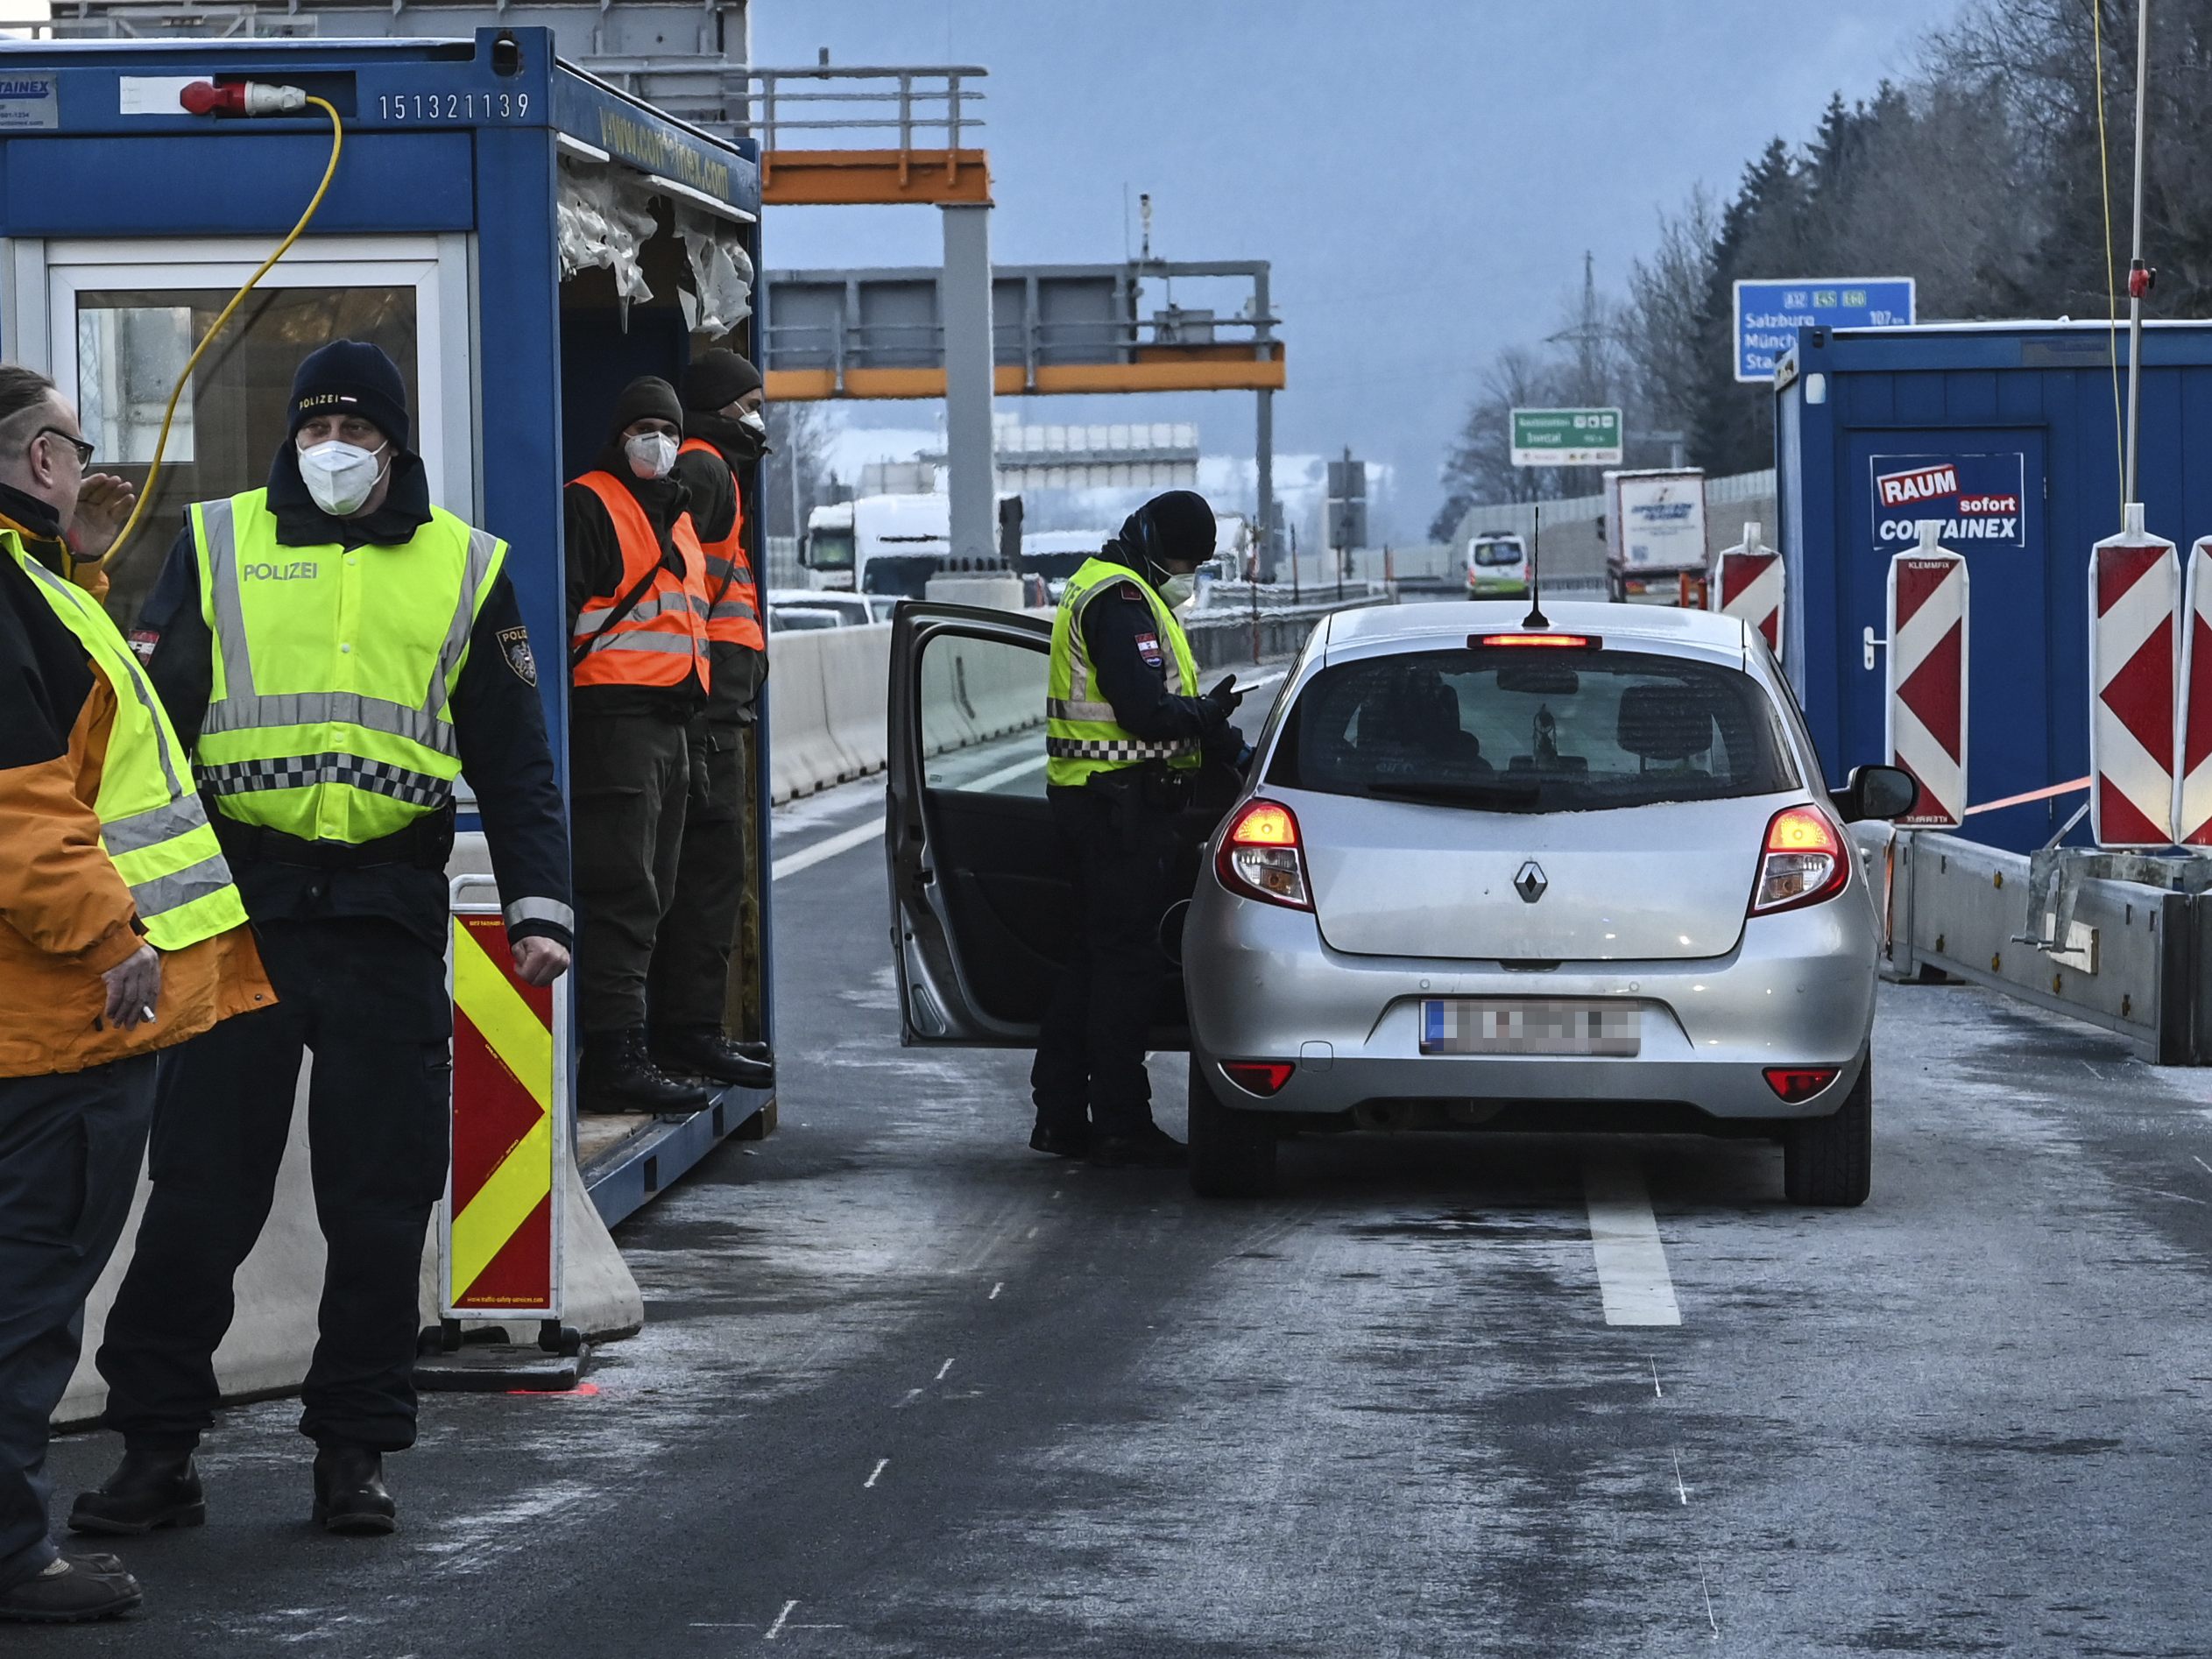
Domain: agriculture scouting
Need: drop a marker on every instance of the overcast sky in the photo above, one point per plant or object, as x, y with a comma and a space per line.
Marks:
1425, 176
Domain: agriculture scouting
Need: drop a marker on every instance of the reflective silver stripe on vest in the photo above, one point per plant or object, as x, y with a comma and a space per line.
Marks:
1056, 709
326, 708
591, 619
221, 521
483, 547
1086, 749
305, 772
152, 828
181, 888
673, 645
142, 689
550, 910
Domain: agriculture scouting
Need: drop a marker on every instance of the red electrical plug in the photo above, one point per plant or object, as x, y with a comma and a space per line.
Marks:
241, 98
2141, 279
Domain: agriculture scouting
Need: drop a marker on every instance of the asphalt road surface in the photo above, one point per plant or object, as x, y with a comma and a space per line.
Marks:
909, 1388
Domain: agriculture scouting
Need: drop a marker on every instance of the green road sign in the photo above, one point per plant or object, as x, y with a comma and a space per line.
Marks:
1566, 437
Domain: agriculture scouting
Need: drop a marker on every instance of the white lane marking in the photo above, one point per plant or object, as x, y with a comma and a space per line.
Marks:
807, 857
1656, 1395
913, 1394
881, 1464
2201, 1164
995, 1288
1709, 1619
941, 1369
991, 780
1624, 1238
776, 1629
1681, 1491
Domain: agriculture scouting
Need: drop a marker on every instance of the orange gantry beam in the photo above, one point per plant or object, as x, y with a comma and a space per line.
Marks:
1157, 369
875, 178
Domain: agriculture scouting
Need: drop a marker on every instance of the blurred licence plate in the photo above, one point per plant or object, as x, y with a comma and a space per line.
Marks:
1528, 1026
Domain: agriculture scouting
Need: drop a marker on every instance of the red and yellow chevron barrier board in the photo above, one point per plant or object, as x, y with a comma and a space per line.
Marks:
499, 1254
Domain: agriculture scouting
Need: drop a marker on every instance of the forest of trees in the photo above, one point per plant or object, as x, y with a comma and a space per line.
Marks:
1978, 175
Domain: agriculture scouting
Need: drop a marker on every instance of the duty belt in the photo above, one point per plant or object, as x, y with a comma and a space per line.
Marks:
426, 843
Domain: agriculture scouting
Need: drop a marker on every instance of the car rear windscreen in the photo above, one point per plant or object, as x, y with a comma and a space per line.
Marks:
1526, 729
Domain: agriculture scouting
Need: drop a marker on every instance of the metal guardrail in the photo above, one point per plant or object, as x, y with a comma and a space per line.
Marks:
2119, 941
925, 99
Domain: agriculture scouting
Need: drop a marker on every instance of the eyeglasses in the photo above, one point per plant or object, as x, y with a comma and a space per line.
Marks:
85, 451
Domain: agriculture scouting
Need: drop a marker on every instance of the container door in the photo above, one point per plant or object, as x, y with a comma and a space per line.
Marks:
119, 319
1986, 486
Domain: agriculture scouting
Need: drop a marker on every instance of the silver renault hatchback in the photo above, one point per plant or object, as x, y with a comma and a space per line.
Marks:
1575, 871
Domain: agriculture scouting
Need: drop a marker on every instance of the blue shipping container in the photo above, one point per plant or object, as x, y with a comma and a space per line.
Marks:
2008, 434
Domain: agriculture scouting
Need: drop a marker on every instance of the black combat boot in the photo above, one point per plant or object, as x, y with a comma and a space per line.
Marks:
619, 1074
1061, 1137
1150, 1147
350, 1493
148, 1489
705, 1051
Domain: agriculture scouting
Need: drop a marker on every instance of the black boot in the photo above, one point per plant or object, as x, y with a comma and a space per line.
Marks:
617, 1075
349, 1495
704, 1050
1150, 1147
1063, 1139
148, 1489
72, 1589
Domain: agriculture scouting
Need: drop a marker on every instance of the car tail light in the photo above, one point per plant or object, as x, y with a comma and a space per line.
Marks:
1803, 862
1559, 641
1258, 1077
1793, 1084
1261, 858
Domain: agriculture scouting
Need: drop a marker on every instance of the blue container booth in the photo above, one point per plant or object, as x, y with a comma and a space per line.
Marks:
521, 237
2020, 417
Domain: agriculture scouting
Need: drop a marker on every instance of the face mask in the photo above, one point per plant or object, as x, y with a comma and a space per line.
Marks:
748, 435
1178, 592
340, 476
651, 453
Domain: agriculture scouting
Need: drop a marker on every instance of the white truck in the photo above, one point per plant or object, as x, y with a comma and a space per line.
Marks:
893, 545
1655, 536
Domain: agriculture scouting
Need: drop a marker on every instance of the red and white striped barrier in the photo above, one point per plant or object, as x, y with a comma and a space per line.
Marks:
1749, 586
2135, 591
1926, 718
2193, 781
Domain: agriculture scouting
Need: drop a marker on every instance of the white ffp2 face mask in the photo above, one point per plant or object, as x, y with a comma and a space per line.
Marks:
1178, 590
339, 476
651, 453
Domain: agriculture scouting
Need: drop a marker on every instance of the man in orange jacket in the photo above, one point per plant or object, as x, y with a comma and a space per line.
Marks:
120, 934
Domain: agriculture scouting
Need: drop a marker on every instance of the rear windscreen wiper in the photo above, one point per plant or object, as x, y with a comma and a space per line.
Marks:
1497, 797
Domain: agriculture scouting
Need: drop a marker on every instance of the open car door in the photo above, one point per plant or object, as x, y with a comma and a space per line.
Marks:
982, 908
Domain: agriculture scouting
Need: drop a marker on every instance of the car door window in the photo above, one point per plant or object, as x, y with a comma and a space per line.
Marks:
982, 709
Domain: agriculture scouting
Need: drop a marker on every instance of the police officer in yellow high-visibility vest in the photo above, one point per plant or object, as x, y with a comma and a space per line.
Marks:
1126, 733
337, 650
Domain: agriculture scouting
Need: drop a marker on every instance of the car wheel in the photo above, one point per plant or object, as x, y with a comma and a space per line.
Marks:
1231, 1152
1829, 1161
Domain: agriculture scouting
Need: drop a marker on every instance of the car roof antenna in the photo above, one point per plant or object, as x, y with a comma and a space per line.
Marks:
1536, 619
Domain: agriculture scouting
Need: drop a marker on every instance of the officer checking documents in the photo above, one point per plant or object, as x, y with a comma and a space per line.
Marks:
1126, 733
336, 650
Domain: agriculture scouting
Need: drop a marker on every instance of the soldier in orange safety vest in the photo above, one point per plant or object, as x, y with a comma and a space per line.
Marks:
689, 990
638, 600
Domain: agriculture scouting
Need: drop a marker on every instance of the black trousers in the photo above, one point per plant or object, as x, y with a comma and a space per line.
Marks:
368, 999
69, 1152
629, 775
1120, 853
688, 983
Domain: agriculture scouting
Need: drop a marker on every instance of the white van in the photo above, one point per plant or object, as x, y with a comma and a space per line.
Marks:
1497, 566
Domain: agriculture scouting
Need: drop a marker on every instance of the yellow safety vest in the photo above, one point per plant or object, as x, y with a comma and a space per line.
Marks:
1082, 738
152, 824
330, 715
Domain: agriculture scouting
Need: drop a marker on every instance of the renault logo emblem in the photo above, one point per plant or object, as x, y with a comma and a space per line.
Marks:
1530, 883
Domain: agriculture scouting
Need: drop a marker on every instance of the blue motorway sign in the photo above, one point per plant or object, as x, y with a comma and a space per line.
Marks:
1769, 314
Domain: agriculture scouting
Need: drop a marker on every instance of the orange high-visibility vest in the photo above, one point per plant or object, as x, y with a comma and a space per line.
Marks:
733, 618
663, 639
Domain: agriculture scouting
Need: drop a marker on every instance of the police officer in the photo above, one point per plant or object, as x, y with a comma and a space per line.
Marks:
121, 933
639, 603
1125, 732
687, 988
337, 650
